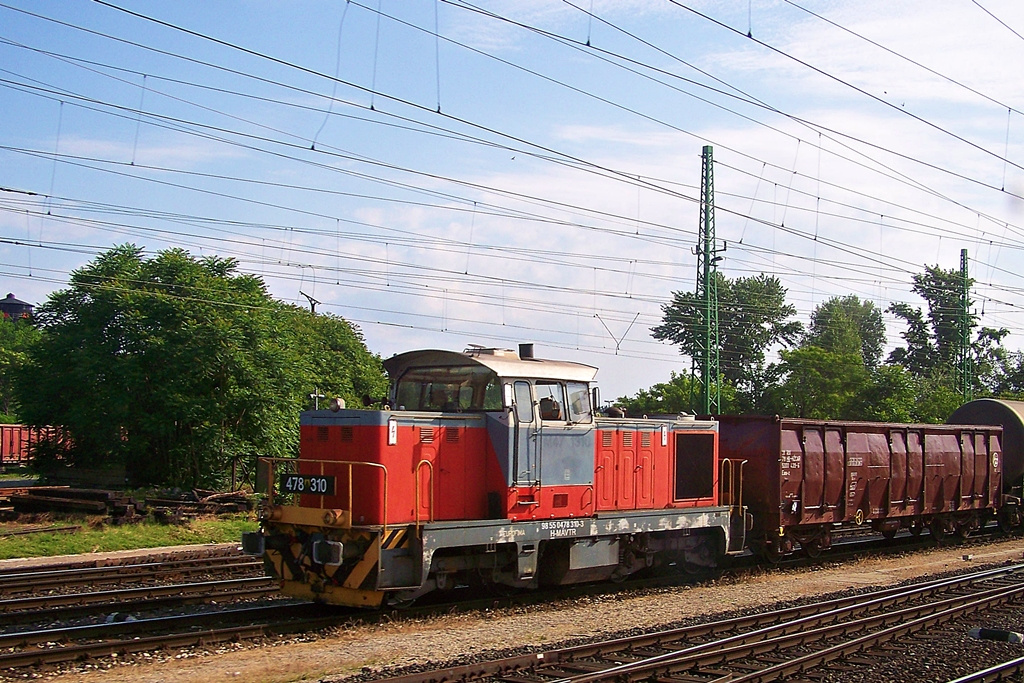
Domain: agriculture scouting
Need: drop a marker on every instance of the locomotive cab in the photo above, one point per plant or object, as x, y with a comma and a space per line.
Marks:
488, 467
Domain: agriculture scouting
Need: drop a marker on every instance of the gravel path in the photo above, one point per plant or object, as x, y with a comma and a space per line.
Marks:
364, 649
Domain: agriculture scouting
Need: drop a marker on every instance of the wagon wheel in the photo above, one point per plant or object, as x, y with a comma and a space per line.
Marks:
889, 533
812, 548
916, 528
938, 530
771, 552
1009, 519
965, 527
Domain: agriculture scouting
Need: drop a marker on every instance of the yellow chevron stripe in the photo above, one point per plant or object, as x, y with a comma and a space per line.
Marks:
363, 567
397, 538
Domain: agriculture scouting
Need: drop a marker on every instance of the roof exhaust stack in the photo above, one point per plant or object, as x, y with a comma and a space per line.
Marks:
526, 351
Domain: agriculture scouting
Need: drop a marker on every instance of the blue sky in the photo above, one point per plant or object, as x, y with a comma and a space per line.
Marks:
454, 173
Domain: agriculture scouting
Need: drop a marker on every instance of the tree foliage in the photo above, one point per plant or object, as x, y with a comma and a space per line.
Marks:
753, 316
822, 384
173, 366
932, 340
16, 338
831, 324
672, 397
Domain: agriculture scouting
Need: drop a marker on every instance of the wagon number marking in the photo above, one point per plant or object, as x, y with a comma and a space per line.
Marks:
789, 461
307, 483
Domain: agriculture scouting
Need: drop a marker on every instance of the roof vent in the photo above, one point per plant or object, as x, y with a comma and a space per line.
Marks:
526, 351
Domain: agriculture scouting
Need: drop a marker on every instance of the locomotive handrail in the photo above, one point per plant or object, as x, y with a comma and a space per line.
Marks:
730, 478
430, 506
271, 462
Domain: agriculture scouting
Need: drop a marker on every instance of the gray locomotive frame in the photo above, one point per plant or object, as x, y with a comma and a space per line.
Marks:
591, 547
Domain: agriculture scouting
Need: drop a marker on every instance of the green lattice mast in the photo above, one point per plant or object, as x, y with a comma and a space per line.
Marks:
706, 366
965, 361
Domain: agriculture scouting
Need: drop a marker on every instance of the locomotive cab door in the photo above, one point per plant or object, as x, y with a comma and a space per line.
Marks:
525, 469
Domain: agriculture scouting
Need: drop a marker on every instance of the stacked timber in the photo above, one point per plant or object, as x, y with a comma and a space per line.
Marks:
203, 502
114, 504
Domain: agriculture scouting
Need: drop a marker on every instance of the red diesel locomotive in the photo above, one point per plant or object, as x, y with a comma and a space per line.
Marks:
490, 467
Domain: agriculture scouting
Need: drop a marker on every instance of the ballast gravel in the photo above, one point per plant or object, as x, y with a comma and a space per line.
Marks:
362, 652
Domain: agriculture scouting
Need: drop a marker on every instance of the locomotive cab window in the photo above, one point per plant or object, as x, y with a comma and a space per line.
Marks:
694, 466
551, 401
449, 389
524, 402
579, 402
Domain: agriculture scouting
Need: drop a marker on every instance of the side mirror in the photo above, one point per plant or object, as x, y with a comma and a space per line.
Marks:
595, 399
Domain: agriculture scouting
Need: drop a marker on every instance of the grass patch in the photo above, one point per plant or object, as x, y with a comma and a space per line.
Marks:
104, 538
16, 473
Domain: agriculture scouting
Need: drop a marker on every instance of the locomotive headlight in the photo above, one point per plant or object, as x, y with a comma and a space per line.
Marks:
337, 404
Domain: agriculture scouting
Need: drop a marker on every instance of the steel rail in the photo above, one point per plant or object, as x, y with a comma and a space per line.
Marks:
767, 624
799, 632
275, 612
59, 578
124, 597
999, 672
864, 642
124, 639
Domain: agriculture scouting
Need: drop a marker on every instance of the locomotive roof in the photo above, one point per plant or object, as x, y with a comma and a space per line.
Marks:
505, 363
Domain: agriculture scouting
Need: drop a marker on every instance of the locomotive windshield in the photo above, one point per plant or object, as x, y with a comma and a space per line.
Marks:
448, 389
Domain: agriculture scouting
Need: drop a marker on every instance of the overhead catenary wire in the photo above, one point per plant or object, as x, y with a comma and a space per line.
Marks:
927, 223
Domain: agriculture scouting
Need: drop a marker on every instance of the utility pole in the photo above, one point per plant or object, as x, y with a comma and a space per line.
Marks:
707, 365
964, 361
312, 302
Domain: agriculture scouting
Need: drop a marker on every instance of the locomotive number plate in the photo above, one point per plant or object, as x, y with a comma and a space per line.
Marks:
321, 485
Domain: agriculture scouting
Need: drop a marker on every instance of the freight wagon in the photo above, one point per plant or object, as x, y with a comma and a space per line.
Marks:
804, 478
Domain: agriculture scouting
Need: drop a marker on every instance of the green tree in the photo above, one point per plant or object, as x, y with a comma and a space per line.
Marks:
932, 341
1007, 378
935, 398
822, 384
831, 319
753, 316
889, 395
16, 338
672, 397
173, 366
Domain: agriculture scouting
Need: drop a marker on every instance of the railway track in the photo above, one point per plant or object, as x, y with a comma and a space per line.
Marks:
762, 647
69, 642
63, 644
37, 579
36, 609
